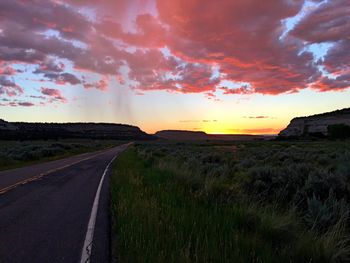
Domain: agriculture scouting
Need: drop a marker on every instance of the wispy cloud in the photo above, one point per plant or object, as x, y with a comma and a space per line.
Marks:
197, 121
259, 117
257, 131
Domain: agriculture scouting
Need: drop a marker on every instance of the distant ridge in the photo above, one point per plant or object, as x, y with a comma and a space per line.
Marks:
200, 135
89, 130
317, 124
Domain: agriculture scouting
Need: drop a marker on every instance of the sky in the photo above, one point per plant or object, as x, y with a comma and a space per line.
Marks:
243, 66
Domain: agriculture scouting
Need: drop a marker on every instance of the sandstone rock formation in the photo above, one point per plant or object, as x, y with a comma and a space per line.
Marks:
26, 130
316, 124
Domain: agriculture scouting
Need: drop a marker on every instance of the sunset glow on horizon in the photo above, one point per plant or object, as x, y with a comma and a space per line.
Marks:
222, 67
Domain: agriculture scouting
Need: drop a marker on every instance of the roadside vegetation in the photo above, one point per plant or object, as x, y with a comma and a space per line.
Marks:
232, 202
15, 154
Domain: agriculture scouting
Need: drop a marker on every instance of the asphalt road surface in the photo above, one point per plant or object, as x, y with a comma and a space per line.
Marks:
46, 219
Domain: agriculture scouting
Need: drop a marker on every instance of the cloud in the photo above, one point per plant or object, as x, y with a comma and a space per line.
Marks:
63, 78
9, 87
26, 104
257, 131
37, 97
189, 121
47, 15
49, 66
196, 121
150, 32
100, 85
197, 78
332, 84
153, 71
54, 72
18, 103
243, 38
241, 90
258, 117
178, 46
329, 23
7, 70
53, 94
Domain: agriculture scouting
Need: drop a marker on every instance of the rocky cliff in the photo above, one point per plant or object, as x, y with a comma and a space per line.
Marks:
316, 124
26, 130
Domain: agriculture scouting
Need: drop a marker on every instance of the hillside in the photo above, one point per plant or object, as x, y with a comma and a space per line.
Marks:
26, 130
316, 124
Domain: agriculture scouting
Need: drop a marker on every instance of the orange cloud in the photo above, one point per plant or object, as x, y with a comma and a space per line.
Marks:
257, 131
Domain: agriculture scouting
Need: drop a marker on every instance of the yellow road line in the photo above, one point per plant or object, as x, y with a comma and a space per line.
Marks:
37, 177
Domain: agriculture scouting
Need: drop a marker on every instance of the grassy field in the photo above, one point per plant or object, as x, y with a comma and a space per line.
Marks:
15, 154
232, 202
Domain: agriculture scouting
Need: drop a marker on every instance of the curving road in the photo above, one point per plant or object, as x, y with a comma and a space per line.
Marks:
45, 210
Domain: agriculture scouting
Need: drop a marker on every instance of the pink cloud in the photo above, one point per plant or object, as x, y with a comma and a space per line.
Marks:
53, 94
7, 70
337, 84
26, 104
9, 87
50, 66
241, 39
16, 104
240, 90
329, 23
100, 85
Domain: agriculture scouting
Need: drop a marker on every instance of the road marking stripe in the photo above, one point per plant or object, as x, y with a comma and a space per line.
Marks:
87, 248
37, 177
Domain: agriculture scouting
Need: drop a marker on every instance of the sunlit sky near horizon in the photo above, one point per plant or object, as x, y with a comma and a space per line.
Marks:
244, 66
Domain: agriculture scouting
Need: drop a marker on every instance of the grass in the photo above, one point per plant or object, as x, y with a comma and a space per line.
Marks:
14, 154
174, 202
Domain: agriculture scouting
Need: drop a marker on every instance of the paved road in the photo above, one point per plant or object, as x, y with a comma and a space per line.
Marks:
46, 220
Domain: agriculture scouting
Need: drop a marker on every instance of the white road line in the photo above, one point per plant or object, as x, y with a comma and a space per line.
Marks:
87, 248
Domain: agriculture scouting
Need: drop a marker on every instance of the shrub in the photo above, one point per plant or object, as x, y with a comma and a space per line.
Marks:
313, 177
338, 131
320, 183
321, 215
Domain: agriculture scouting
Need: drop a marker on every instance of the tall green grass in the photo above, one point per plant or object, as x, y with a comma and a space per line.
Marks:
159, 217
